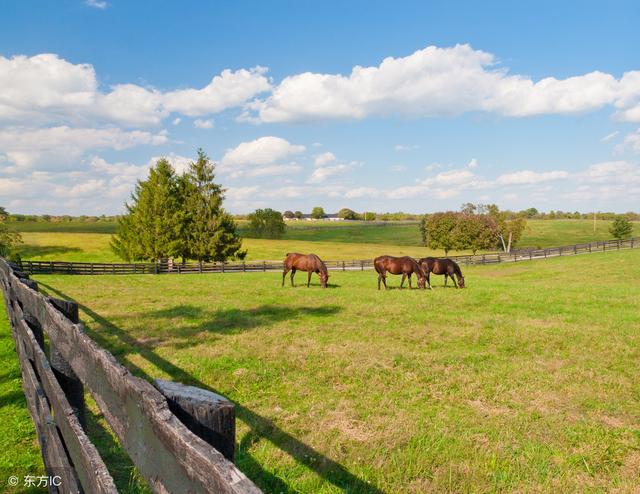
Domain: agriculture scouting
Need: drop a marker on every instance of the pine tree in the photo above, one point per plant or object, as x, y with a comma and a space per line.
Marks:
209, 233
151, 228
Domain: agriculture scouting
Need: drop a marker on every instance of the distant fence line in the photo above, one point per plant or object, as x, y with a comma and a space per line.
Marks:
95, 268
181, 438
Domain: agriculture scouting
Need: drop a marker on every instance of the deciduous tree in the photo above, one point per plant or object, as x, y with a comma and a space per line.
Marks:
266, 223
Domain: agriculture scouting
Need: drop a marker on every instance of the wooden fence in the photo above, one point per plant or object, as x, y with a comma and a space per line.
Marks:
180, 438
61, 267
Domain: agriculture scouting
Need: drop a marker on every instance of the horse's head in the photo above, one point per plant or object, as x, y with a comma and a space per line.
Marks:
461, 281
324, 278
422, 280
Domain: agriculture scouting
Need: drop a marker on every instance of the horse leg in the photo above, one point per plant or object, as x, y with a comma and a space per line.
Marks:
454, 281
429, 280
446, 277
309, 279
403, 277
284, 273
409, 276
293, 272
379, 279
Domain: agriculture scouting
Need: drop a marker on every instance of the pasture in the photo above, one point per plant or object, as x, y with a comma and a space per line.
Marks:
527, 380
330, 240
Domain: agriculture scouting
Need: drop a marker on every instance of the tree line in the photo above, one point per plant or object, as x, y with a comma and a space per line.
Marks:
178, 216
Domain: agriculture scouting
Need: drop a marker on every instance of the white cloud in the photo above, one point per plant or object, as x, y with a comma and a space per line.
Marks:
261, 151
53, 146
324, 158
323, 173
176, 121
47, 90
473, 163
451, 177
226, 90
621, 172
203, 124
631, 142
98, 4
528, 177
442, 81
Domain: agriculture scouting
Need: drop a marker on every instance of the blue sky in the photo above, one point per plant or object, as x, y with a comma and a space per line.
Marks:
369, 105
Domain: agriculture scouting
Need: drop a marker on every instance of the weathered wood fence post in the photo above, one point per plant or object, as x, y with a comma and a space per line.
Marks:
208, 415
69, 382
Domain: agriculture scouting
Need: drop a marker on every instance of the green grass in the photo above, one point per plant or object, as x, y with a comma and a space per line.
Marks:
64, 227
20, 451
528, 380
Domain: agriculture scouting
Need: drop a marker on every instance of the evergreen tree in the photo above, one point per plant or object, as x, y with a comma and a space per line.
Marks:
150, 230
207, 231
621, 227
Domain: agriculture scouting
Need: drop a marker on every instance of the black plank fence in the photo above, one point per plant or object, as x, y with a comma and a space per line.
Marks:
180, 438
94, 268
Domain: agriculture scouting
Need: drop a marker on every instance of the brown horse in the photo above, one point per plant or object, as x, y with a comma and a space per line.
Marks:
309, 263
405, 266
447, 267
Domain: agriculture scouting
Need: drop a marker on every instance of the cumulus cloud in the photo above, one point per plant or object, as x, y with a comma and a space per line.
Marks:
324, 158
261, 151
226, 90
438, 81
45, 89
53, 146
528, 177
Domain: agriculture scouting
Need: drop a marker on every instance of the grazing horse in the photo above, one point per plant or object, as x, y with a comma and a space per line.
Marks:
447, 267
405, 266
309, 263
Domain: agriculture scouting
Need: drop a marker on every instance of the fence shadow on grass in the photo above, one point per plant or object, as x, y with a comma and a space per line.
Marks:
231, 321
261, 427
29, 250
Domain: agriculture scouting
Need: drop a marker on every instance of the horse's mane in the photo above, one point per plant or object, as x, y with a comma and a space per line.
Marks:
320, 261
456, 268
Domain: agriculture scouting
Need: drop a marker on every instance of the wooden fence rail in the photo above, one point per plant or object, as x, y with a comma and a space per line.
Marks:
170, 431
95, 268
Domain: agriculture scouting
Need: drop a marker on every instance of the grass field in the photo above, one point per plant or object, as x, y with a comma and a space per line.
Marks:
527, 381
338, 240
